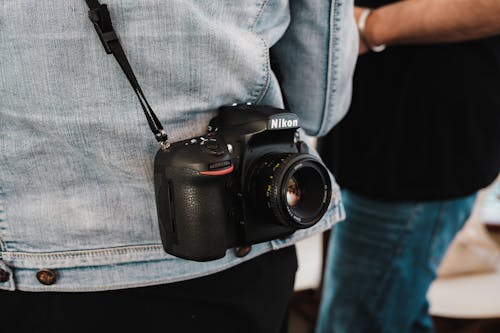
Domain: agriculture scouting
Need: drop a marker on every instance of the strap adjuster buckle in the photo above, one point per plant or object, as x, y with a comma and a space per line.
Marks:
102, 24
162, 138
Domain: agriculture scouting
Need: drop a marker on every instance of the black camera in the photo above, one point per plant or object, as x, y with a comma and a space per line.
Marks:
248, 180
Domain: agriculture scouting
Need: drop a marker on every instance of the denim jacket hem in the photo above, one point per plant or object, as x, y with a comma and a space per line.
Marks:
132, 266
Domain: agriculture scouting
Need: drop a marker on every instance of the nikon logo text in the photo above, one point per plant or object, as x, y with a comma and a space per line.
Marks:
284, 123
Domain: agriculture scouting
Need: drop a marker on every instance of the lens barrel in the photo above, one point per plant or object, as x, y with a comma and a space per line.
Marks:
297, 188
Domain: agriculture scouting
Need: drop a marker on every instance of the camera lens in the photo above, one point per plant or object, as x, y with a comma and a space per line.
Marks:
296, 188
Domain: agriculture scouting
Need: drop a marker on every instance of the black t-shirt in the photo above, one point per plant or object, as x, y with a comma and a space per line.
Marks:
424, 123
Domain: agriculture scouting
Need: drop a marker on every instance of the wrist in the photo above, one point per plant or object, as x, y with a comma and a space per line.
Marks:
367, 30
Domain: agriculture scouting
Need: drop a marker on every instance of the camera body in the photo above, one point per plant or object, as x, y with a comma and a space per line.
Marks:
248, 180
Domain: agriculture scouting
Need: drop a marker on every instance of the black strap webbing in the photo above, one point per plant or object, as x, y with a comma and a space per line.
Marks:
99, 15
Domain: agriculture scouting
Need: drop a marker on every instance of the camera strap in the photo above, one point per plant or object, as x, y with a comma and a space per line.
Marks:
99, 15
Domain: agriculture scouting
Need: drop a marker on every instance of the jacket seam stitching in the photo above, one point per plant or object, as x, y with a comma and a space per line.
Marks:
257, 96
331, 77
256, 20
265, 86
95, 253
3, 244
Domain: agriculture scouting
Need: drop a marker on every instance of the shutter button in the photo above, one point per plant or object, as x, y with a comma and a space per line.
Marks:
243, 251
46, 277
4, 276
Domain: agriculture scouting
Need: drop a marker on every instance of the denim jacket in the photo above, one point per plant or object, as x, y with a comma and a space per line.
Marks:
76, 154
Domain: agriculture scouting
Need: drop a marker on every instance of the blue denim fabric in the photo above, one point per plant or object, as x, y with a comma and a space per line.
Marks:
76, 178
381, 262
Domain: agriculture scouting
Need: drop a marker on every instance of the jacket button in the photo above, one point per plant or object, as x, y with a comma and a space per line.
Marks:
46, 277
243, 251
4, 276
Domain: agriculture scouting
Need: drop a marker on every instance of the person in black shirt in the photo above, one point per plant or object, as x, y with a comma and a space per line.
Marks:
421, 138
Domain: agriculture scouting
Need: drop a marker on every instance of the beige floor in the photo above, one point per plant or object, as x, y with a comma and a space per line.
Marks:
475, 255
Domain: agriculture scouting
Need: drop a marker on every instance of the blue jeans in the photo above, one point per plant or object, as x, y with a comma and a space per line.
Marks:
381, 262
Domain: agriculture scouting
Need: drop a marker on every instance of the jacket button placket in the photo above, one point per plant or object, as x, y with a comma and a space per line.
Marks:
46, 277
4, 276
243, 251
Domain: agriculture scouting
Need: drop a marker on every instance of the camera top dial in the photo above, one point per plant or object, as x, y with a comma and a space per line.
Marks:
208, 155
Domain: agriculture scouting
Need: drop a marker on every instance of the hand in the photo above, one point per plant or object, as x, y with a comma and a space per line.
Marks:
357, 14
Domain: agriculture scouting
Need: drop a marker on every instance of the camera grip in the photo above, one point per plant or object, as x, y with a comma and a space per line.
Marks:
191, 213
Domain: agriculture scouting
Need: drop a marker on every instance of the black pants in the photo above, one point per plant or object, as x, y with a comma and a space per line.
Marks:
251, 297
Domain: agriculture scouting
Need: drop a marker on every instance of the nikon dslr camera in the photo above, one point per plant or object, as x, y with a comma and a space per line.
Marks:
248, 180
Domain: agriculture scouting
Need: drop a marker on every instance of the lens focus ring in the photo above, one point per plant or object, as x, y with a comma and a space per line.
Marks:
297, 188
274, 190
